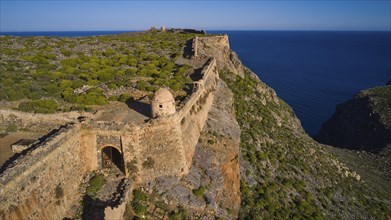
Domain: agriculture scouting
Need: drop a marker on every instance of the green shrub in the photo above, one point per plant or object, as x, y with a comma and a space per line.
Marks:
59, 191
39, 106
94, 184
140, 202
211, 142
180, 214
11, 128
125, 98
200, 191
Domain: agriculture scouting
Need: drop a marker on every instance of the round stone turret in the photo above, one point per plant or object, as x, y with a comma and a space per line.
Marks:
163, 103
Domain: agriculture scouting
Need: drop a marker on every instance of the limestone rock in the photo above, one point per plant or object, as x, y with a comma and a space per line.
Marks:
362, 123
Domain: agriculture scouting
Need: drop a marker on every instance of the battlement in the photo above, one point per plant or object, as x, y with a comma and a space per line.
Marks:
199, 43
163, 146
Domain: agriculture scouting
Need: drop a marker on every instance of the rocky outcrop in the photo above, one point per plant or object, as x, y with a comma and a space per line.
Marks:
362, 123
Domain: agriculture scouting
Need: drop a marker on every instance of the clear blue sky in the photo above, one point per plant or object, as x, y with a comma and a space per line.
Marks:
68, 15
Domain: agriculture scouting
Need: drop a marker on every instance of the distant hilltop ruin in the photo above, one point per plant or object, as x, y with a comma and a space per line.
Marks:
179, 30
164, 145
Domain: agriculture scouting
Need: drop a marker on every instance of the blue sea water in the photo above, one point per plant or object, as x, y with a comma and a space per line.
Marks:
312, 71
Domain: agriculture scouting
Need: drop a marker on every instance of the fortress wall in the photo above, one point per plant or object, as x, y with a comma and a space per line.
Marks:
161, 152
155, 148
131, 152
89, 150
44, 183
212, 40
194, 46
218, 48
36, 121
97, 135
193, 115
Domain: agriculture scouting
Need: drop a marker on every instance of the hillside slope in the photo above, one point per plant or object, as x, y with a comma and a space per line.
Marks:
253, 159
284, 173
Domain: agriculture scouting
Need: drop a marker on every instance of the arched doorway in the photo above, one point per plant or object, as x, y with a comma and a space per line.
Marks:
111, 156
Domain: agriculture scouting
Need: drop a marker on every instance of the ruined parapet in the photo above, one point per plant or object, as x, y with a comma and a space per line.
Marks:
210, 40
22, 145
163, 103
208, 74
113, 207
218, 48
36, 121
43, 182
194, 47
191, 118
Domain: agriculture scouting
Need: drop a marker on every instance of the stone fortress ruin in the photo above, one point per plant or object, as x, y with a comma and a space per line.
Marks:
163, 145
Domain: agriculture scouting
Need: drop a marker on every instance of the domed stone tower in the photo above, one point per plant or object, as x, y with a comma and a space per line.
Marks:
162, 103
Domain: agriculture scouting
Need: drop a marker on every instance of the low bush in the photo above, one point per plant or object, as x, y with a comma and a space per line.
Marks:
95, 184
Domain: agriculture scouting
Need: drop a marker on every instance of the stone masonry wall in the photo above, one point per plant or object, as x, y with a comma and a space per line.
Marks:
36, 122
43, 184
218, 48
193, 115
162, 146
161, 151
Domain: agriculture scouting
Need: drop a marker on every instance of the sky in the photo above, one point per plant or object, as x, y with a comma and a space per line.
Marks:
88, 15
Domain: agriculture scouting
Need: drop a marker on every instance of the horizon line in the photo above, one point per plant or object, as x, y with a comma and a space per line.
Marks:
140, 30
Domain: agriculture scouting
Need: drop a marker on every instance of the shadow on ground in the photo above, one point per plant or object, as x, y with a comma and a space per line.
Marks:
140, 107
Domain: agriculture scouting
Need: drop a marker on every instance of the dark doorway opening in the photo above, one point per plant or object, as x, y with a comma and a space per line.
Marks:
112, 157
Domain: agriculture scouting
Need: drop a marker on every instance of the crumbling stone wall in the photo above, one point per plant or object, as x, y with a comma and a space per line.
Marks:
36, 122
194, 46
218, 48
43, 184
161, 147
161, 151
193, 115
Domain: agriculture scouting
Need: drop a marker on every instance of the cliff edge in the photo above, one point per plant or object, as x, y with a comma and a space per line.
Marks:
248, 159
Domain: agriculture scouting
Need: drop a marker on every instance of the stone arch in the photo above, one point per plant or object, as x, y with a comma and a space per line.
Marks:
112, 156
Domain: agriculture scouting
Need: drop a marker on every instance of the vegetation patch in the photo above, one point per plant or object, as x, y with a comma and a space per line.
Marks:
95, 184
287, 175
199, 192
59, 191
11, 128
39, 106
178, 214
78, 71
140, 202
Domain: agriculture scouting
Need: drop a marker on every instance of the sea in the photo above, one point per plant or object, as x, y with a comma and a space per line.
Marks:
312, 71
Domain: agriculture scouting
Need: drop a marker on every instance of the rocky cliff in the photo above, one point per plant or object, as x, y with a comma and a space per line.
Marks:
283, 172
362, 123
253, 160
